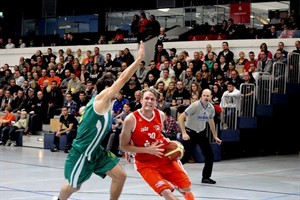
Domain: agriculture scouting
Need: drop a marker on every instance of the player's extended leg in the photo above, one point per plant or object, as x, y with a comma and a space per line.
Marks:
187, 193
66, 191
168, 195
118, 176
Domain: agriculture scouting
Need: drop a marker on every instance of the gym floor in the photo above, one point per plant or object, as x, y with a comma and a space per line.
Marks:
37, 174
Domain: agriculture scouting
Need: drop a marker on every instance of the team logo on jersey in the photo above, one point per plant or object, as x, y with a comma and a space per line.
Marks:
157, 127
144, 129
159, 184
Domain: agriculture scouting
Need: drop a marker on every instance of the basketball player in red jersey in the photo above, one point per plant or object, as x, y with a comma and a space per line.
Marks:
142, 134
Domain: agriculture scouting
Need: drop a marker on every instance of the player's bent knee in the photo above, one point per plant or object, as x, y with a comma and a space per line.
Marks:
117, 174
167, 194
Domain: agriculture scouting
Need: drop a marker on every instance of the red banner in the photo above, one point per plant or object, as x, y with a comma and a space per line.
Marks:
240, 12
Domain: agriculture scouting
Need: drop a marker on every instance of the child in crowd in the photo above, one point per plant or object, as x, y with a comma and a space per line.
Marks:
10, 134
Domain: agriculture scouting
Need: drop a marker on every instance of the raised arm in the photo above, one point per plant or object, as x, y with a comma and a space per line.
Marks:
103, 99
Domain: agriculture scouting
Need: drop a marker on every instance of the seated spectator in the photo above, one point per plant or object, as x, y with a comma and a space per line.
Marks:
6, 100
74, 86
5, 121
271, 33
10, 44
136, 103
117, 127
264, 47
39, 115
18, 101
82, 102
171, 128
102, 40
70, 123
162, 35
70, 104
287, 32
9, 134
119, 37
118, 104
241, 60
276, 19
161, 102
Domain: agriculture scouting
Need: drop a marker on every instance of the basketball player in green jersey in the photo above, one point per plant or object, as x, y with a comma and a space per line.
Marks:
87, 156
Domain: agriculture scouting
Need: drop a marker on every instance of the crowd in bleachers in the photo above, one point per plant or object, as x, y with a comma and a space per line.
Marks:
43, 84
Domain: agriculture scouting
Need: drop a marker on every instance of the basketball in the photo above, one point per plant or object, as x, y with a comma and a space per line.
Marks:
174, 150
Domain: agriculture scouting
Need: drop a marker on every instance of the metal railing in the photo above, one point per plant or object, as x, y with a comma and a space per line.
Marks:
248, 99
293, 68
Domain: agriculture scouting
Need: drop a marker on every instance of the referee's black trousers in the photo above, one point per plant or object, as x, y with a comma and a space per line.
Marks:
203, 141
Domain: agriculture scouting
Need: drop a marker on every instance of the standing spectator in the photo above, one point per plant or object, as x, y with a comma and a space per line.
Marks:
229, 55
134, 27
194, 132
152, 27
142, 34
54, 99
297, 46
230, 103
159, 52
231, 29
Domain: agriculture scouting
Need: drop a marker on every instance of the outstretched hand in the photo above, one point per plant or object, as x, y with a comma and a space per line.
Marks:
141, 51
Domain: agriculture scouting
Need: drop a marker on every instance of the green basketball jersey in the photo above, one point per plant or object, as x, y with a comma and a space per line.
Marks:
92, 130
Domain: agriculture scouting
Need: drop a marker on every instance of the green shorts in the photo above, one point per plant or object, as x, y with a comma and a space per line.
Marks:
78, 169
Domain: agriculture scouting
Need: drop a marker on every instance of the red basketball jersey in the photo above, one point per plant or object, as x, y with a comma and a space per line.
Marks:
146, 132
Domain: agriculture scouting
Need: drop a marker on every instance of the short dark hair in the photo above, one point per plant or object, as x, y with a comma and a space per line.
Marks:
167, 110
105, 81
